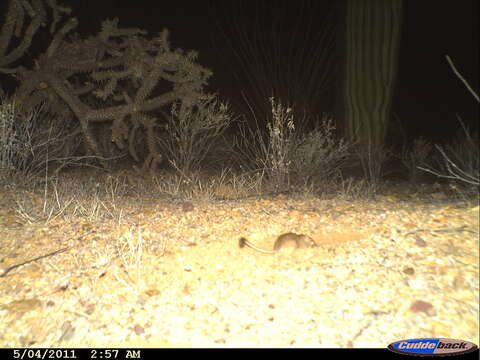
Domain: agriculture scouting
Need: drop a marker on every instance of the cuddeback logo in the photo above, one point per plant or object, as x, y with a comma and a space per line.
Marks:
439, 347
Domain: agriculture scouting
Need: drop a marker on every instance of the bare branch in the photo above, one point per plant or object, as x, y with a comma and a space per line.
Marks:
475, 95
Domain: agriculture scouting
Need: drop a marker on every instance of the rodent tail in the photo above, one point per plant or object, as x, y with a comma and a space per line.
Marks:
244, 242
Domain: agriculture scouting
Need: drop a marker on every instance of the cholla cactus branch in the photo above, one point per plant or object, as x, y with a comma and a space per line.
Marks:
14, 20
119, 66
60, 35
57, 10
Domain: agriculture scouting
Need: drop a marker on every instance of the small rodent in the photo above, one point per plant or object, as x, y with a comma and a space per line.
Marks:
287, 240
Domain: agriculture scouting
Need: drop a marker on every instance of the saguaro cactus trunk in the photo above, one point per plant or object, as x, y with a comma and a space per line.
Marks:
371, 35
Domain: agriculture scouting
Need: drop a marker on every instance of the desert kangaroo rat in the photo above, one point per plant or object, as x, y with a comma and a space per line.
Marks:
286, 240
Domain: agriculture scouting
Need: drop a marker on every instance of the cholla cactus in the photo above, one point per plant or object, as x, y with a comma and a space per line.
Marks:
122, 67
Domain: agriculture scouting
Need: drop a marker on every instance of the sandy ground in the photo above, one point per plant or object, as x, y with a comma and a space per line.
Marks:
170, 274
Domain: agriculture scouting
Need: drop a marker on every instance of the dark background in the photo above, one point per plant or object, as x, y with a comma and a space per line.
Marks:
428, 94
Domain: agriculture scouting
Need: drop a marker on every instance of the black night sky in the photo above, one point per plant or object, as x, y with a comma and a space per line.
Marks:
428, 94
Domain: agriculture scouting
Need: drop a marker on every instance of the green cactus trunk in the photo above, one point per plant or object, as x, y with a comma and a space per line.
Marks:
371, 37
